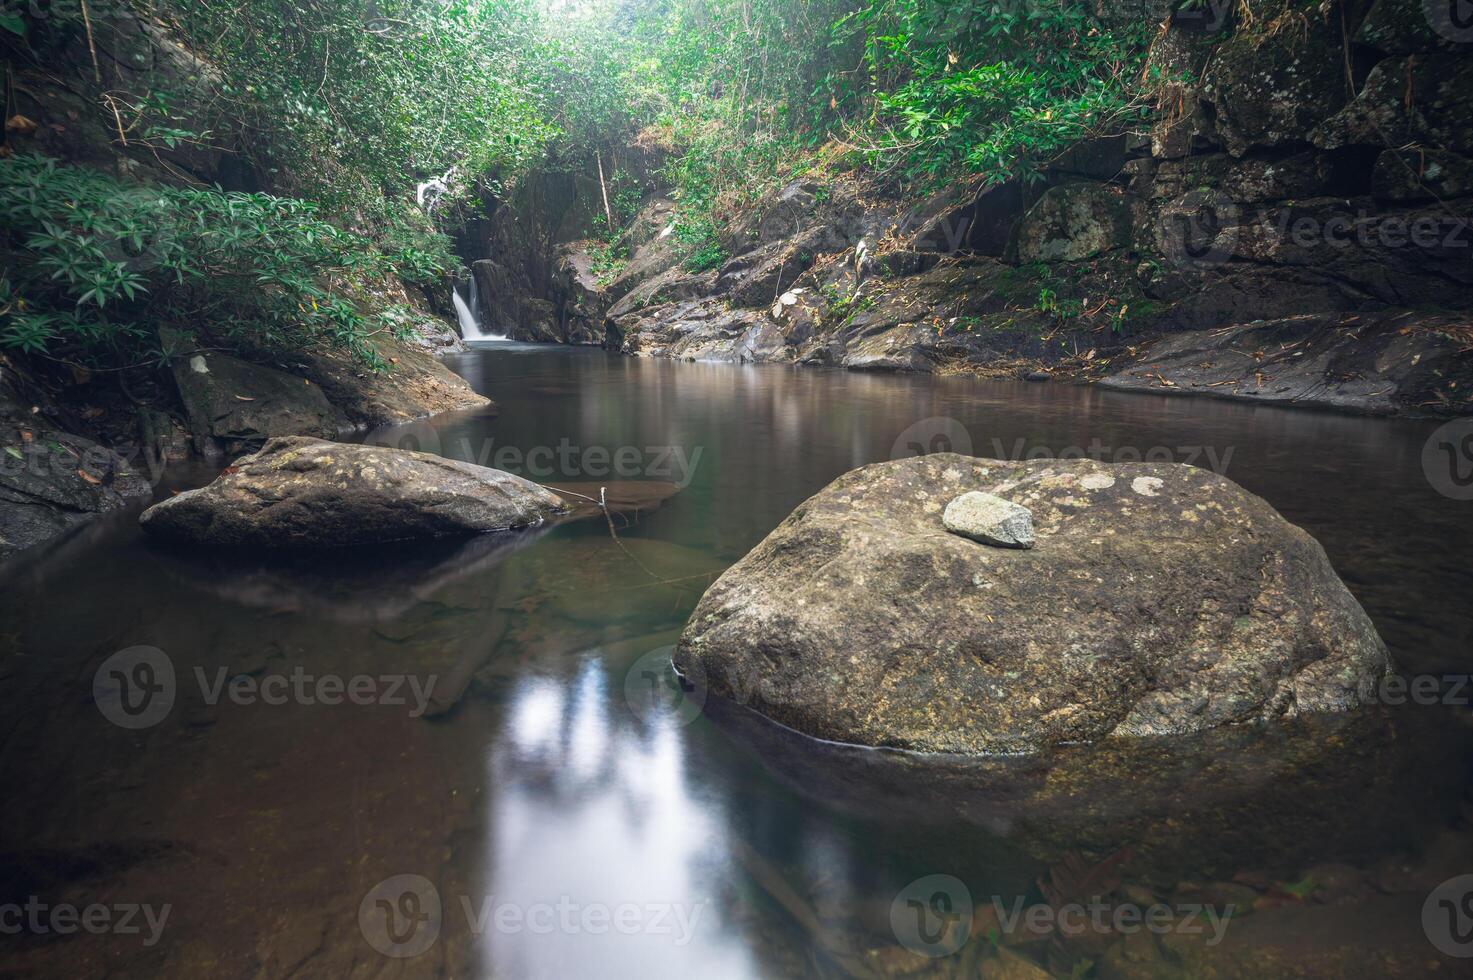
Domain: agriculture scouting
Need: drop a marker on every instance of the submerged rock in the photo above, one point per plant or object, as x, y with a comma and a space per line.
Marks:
990, 520
299, 492
1160, 599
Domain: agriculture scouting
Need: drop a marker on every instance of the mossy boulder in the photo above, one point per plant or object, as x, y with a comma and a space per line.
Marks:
1072, 222
1159, 599
1275, 80
307, 493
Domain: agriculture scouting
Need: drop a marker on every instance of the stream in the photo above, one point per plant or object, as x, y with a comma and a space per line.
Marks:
470, 758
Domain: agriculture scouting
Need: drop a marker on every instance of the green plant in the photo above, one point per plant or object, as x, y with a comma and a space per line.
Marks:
609, 259
1061, 309
697, 236
98, 265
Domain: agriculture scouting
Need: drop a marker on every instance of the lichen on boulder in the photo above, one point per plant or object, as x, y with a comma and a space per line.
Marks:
1159, 599
299, 492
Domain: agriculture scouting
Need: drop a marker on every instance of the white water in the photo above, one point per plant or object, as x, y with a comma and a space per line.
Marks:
469, 316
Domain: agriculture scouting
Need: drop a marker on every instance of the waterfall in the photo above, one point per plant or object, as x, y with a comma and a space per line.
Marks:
470, 315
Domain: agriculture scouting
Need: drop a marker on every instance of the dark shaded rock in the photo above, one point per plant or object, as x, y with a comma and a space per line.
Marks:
1073, 222
672, 284
1159, 599
580, 297
299, 492
1189, 805
361, 585
1271, 83
1251, 180
413, 385
1395, 256
760, 276
1422, 99
1421, 175
782, 215
1397, 27
51, 482
651, 239
1377, 364
241, 404
1179, 136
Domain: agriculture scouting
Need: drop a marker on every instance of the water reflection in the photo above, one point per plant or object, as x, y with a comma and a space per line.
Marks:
536, 783
591, 813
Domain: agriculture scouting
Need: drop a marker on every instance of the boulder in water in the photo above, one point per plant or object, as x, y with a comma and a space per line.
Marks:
1159, 599
299, 492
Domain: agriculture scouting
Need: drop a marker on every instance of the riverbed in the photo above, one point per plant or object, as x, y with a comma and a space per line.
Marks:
471, 759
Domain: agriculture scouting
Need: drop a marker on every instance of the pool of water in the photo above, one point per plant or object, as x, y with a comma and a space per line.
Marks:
470, 759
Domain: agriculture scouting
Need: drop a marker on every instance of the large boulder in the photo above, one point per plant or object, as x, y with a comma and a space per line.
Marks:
1073, 222
299, 492
1274, 80
238, 404
1159, 599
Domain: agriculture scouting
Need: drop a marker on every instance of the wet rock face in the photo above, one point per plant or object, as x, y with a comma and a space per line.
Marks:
299, 492
55, 481
1158, 600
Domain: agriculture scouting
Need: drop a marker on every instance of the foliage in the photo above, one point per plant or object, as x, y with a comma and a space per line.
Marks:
752, 92
345, 107
357, 98
98, 264
609, 259
984, 86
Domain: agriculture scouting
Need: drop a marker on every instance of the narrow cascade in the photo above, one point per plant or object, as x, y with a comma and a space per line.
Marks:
470, 317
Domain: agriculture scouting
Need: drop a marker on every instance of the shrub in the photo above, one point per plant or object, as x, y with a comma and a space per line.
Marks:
97, 265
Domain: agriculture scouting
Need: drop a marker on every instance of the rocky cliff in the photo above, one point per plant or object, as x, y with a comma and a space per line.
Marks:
1293, 227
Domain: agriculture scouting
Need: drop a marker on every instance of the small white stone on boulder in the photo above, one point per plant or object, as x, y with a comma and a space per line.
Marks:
989, 519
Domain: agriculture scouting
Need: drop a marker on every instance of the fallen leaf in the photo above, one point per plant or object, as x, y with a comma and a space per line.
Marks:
243, 398
20, 124
88, 477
